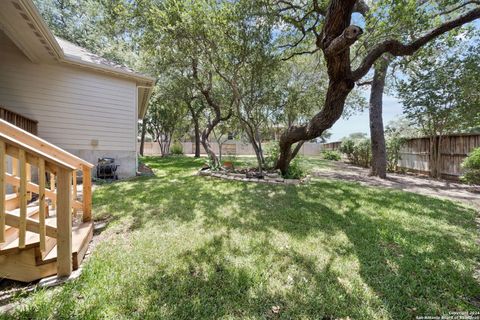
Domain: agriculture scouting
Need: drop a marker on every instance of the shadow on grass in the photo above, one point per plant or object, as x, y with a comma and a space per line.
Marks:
212, 286
415, 254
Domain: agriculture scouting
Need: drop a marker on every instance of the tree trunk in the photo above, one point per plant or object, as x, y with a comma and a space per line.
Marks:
334, 103
197, 137
255, 141
259, 156
435, 156
208, 148
335, 39
196, 124
142, 139
260, 148
219, 150
439, 156
377, 135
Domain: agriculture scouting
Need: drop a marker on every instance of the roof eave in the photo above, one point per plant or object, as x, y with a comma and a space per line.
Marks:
60, 55
143, 107
48, 36
139, 78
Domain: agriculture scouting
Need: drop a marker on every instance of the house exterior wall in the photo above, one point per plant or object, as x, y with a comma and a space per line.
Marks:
87, 113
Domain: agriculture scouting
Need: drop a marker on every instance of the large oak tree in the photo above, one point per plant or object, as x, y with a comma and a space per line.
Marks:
330, 25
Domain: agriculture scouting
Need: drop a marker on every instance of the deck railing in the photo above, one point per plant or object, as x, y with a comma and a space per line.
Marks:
19, 120
27, 153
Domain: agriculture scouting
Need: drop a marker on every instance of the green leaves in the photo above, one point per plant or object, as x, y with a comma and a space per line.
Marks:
439, 95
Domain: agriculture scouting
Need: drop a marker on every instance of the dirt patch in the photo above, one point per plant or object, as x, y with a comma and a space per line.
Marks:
144, 170
410, 183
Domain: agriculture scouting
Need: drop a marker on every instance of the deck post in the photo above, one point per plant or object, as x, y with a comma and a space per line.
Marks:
87, 193
29, 179
3, 188
22, 160
52, 188
64, 222
74, 192
15, 172
41, 203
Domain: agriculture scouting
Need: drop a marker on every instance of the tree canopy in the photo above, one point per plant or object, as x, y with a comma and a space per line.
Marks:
292, 65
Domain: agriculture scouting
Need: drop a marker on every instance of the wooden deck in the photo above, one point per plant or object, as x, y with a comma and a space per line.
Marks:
30, 263
41, 233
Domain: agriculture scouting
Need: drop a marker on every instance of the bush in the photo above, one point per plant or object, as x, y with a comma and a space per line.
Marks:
393, 145
358, 151
331, 155
176, 149
471, 167
295, 170
273, 152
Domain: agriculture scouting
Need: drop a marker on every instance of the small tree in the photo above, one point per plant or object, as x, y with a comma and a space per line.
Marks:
434, 100
396, 133
165, 115
220, 133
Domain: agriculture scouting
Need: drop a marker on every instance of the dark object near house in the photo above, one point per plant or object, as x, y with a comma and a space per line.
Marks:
107, 169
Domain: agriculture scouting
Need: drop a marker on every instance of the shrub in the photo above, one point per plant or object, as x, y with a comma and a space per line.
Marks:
176, 149
358, 151
471, 167
393, 145
347, 148
331, 155
273, 152
295, 170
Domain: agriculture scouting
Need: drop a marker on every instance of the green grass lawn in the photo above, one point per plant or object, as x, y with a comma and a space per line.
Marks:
180, 246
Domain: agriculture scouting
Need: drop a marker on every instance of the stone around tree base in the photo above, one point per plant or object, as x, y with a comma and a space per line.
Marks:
268, 179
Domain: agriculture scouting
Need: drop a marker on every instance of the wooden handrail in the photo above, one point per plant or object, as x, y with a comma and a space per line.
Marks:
40, 145
14, 146
28, 150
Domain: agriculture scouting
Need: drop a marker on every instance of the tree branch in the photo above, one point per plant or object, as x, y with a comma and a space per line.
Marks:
460, 6
300, 53
397, 48
343, 41
364, 83
361, 7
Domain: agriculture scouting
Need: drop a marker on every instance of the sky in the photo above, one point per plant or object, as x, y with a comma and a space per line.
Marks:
392, 109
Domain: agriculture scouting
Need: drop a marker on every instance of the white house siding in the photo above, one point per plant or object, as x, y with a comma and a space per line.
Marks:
74, 107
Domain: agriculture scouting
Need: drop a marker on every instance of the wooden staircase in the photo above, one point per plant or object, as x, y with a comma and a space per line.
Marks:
43, 231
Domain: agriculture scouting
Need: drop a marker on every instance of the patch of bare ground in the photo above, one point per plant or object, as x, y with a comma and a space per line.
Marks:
410, 183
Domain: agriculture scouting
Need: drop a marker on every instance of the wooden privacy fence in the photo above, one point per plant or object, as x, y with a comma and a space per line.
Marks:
415, 154
331, 146
233, 147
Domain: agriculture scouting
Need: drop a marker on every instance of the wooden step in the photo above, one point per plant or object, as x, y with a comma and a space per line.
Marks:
12, 218
81, 236
12, 201
27, 264
32, 240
